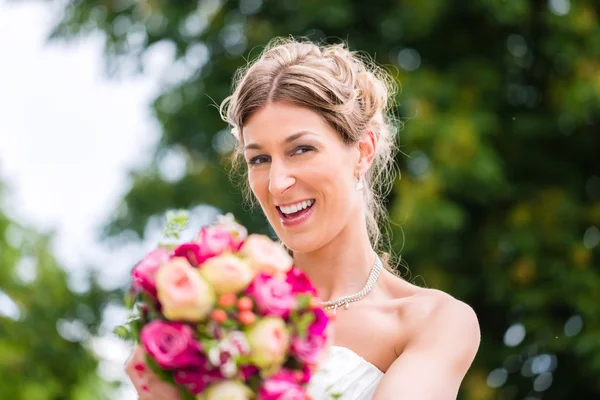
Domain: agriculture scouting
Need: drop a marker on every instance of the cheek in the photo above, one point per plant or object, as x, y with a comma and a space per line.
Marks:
334, 182
255, 182
258, 182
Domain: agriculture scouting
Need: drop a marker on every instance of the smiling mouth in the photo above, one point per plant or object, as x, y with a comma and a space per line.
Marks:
295, 210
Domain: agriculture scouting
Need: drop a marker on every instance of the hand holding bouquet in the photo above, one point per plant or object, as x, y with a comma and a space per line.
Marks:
227, 315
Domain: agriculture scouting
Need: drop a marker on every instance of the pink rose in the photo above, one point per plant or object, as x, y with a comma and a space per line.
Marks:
306, 374
196, 379
214, 241
311, 349
300, 282
269, 342
182, 292
273, 296
265, 255
192, 380
238, 232
171, 344
191, 252
144, 273
281, 386
319, 325
227, 273
247, 371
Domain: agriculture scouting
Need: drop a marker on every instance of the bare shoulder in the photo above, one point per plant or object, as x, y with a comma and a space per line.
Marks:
443, 308
438, 322
455, 317
450, 327
422, 307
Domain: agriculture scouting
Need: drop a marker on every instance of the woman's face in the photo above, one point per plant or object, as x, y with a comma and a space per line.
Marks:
302, 174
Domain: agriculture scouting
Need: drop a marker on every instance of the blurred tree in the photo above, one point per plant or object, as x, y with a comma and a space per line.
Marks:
499, 204
45, 327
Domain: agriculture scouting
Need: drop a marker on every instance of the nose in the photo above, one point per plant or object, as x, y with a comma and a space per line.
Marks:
280, 178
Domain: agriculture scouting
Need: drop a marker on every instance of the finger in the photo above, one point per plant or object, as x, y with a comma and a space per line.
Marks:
138, 371
147, 384
162, 390
147, 396
141, 384
133, 357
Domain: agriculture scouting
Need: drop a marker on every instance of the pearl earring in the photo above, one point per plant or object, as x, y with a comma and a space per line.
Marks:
359, 185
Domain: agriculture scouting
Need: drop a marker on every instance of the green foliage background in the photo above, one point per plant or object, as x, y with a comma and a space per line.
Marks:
46, 350
499, 200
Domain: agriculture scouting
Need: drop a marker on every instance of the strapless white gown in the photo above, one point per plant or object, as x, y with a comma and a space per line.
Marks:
347, 374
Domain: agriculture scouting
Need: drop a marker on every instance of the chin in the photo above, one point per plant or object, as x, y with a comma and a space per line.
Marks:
302, 242
309, 236
301, 247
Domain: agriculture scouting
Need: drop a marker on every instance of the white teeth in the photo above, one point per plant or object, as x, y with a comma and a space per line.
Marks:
296, 207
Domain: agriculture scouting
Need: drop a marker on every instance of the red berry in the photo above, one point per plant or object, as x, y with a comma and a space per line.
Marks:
246, 317
219, 316
245, 304
227, 300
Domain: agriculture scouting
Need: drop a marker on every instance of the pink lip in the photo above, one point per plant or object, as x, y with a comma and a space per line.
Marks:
295, 221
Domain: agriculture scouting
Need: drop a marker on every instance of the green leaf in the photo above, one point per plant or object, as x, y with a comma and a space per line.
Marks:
176, 221
124, 333
130, 300
304, 301
185, 394
303, 322
230, 324
293, 364
135, 327
165, 376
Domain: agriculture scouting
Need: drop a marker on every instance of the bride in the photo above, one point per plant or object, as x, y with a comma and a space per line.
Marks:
317, 144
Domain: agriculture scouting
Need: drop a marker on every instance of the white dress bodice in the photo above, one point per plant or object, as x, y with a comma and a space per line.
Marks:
347, 374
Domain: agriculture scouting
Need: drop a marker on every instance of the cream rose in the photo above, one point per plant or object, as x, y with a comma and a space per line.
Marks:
182, 292
227, 273
265, 255
228, 390
269, 342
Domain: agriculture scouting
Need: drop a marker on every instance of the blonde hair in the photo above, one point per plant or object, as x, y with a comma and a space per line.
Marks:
350, 92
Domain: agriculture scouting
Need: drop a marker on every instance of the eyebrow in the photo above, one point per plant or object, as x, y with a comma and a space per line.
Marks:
289, 139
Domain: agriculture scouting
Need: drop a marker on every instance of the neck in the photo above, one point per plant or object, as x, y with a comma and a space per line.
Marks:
341, 267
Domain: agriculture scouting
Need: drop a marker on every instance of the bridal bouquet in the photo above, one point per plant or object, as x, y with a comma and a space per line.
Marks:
227, 315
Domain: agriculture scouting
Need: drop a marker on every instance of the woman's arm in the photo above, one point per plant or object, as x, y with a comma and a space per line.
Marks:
436, 359
146, 383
